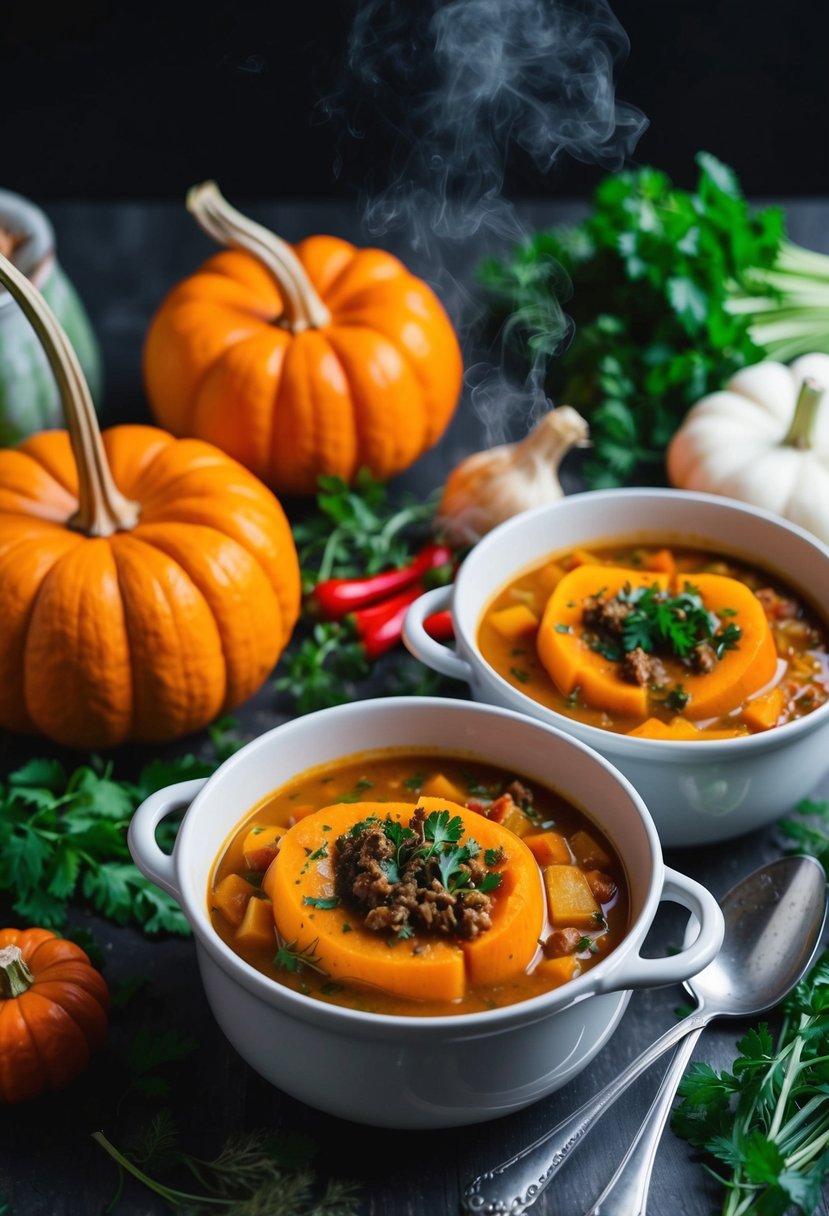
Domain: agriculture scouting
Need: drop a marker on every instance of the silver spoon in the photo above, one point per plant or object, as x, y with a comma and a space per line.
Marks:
773, 923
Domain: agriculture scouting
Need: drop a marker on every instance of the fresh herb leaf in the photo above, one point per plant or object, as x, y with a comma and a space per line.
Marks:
325, 902
292, 957
439, 828
490, 882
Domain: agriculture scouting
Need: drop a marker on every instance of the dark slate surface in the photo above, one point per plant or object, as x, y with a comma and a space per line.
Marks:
122, 258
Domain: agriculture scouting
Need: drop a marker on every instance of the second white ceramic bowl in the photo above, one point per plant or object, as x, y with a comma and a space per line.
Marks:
419, 1072
697, 792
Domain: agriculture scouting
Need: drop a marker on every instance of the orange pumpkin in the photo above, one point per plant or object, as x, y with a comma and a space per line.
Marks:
53, 1012
298, 362
146, 583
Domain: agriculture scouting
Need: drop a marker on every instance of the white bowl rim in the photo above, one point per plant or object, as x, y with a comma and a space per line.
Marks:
460, 1025
595, 736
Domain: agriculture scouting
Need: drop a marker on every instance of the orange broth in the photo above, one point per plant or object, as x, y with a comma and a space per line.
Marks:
403, 776
799, 685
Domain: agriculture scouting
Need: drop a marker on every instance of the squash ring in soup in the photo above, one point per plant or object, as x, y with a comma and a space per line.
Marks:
424, 966
573, 662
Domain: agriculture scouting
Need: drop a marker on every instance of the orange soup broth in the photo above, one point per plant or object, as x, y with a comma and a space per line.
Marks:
392, 776
801, 642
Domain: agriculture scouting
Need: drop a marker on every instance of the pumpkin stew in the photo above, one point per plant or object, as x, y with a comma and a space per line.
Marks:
661, 643
403, 882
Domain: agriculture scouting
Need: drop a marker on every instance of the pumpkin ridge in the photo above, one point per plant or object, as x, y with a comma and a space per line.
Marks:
11, 1013
193, 696
393, 459
56, 1014
201, 579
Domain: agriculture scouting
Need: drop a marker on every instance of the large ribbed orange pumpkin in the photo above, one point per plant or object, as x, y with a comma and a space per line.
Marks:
146, 583
303, 361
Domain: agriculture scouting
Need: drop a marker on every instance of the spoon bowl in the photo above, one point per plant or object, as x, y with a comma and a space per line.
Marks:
774, 920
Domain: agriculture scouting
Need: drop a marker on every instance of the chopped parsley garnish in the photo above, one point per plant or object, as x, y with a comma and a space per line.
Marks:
519, 674
677, 698
291, 957
415, 781
325, 902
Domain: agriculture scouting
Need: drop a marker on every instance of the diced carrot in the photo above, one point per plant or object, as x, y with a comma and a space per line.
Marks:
763, 712
513, 623
559, 970
438, 786
506, 811
549, 848
569, 898
261, 845
662, 560
257, 927
231, 897
588, 852
680, 729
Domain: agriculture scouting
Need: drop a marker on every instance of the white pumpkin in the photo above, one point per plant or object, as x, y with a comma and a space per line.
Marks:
763, 439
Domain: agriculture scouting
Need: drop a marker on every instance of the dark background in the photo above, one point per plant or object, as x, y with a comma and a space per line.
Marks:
113, 100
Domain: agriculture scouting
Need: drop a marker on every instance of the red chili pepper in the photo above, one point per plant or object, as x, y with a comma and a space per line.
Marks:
440, 626
380, 626
336, 597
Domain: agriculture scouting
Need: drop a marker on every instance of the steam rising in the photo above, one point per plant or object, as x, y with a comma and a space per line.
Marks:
457, 91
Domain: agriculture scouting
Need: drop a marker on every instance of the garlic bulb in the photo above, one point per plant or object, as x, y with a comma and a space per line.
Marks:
491, 486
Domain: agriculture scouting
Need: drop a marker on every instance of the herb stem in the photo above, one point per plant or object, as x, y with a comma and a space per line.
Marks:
173, 1197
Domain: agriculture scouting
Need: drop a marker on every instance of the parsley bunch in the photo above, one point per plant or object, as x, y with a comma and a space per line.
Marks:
668, 292
63, 838
767, 1121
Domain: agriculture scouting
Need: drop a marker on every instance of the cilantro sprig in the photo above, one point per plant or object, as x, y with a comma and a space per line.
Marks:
664, 623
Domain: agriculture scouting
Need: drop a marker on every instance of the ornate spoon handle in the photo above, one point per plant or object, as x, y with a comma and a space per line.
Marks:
627, 1192
513, 1186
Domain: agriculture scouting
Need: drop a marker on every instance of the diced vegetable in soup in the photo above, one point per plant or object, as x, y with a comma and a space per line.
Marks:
423, 884
659, 642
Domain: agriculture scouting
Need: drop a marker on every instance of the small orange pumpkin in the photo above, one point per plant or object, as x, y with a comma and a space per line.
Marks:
53, 1012
298, 362
146, 583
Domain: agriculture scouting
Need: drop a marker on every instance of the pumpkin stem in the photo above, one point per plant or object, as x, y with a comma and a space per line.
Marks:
302, 307
15, 976
102, 508
799, 434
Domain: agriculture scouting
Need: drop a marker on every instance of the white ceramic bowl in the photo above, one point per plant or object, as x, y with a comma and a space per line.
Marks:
697, 792
419, 1072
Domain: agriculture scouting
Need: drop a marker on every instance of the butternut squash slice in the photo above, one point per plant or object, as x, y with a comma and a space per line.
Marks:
740, 672
568, 659
440, 969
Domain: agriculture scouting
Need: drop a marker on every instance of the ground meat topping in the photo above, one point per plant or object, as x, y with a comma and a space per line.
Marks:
643, 669
399, 886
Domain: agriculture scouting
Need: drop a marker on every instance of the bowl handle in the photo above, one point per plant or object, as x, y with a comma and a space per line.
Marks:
433, 654
638, 972
151, 860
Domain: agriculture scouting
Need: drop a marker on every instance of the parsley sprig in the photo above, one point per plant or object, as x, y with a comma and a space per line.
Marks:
440, 844
664, 623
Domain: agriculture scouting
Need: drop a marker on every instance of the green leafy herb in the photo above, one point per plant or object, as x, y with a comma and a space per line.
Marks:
325, 902
358, 530
150, 1051
258, 1172
661, 621
677, 698
519, 674
439, 828
765, 1124
63, 837
490, 881
727, 638
668, 293
292, 957
414, 782
320, 671
807, 830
